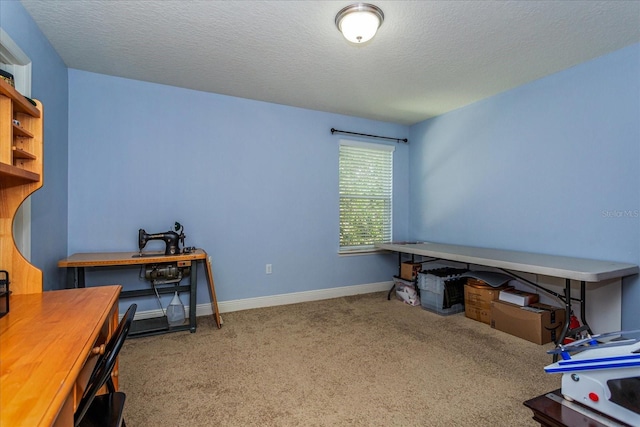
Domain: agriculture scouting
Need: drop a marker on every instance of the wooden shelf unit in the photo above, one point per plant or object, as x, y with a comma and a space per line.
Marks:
21, 166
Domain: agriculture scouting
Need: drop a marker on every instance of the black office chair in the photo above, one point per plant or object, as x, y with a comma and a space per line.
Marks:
105, 410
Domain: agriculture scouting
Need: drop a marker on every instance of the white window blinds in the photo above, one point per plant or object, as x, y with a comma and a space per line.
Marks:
366, 187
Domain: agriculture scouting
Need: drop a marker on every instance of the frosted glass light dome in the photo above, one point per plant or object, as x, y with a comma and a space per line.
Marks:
359, 22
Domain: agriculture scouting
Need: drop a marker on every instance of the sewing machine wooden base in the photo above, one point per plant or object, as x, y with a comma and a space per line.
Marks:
152, 326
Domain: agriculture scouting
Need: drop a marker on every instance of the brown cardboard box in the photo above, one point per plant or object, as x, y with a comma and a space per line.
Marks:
477, 299
409, 270
540, 326
476, 313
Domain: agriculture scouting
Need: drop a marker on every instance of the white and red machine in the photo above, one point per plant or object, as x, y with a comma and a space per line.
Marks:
603, 372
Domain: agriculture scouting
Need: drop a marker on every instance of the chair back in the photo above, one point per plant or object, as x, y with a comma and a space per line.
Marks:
101, 374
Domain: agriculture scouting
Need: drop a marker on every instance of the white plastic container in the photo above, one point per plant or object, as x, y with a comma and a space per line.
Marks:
175, 311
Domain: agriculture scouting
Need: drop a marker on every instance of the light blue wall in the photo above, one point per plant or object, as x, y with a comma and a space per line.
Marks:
251, 182
551, 167
49, 85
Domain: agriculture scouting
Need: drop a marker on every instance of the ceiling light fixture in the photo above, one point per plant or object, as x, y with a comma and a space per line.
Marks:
359, 22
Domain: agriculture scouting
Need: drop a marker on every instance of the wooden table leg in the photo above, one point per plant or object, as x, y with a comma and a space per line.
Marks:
212, 289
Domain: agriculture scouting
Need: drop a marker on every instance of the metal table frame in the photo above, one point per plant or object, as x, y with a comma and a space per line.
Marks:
152, 326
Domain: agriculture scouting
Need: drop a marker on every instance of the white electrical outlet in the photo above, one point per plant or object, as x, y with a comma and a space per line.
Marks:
268, 269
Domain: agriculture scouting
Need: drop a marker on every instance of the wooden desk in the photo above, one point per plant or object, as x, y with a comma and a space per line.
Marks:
46, 344
80, 261
551, 410
568, 268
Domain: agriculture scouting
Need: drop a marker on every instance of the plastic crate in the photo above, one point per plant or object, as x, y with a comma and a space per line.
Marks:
433, 280
447, 299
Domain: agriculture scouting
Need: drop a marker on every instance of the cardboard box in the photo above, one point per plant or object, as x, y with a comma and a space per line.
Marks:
477, 299
518, 297
538, 323
409, 270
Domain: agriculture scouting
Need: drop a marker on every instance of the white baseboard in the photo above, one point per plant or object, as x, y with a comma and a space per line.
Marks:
282, 299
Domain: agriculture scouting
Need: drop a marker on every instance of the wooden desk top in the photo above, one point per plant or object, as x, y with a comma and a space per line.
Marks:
588, 270
44, 342
104, 259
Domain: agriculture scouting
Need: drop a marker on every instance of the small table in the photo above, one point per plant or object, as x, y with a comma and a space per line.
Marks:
155, 325
552, 410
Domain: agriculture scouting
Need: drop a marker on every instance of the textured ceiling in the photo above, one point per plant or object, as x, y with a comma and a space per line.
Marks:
429, 57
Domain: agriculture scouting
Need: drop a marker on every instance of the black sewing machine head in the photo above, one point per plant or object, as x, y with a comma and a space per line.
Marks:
172, 239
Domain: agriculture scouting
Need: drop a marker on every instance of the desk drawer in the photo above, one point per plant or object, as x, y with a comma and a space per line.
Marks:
94, 355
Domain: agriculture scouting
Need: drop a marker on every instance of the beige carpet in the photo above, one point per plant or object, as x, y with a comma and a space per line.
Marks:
358, 360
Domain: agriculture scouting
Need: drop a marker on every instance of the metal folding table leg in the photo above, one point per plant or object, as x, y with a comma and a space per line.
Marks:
192, 296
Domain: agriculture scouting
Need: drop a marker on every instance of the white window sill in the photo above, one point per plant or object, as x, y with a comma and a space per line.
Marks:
358, 252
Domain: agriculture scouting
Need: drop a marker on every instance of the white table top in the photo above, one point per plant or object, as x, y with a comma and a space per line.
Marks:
588, 270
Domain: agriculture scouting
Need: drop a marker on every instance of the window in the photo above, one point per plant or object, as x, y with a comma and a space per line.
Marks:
366, 178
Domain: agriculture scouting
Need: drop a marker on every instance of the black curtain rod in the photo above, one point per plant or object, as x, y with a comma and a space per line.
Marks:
405, 140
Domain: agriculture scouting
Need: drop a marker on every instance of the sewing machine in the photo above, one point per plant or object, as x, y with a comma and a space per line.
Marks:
170, 238
603, 373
